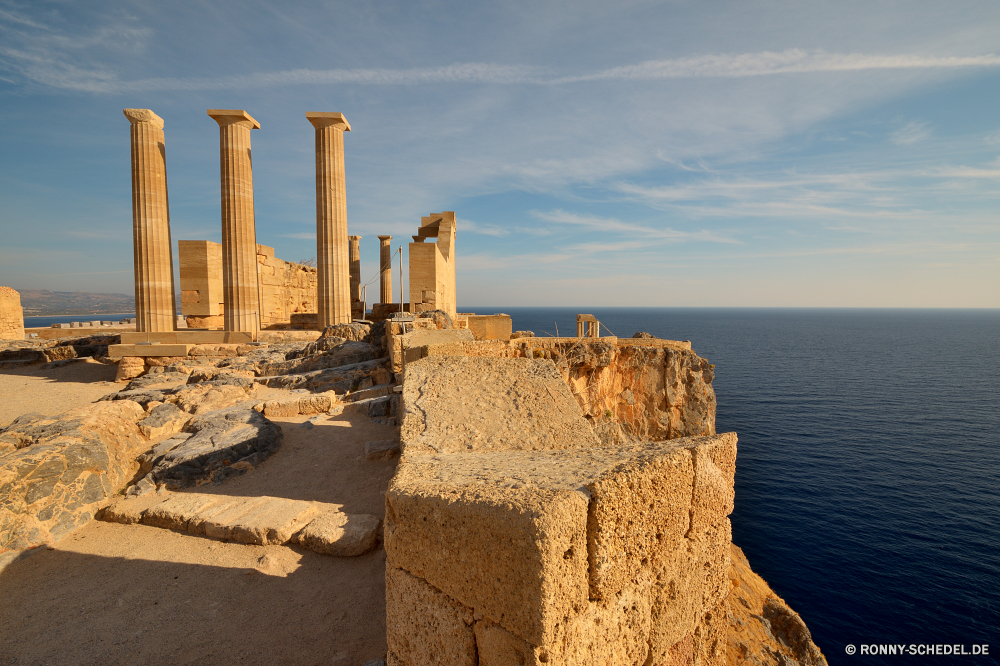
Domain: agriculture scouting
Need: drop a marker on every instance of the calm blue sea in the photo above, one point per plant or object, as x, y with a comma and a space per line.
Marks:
45, 322
868, 476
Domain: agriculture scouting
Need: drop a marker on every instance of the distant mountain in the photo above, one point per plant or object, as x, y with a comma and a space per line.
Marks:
42, 302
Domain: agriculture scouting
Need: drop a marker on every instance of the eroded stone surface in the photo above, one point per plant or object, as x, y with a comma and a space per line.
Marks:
424, 626
336, 533
319, 526
456, 404
58, 471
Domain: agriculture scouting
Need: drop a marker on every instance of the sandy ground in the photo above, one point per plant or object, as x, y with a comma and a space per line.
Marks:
54, 390
116, 594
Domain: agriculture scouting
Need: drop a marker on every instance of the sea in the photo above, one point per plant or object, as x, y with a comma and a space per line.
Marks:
868, 472
47, 321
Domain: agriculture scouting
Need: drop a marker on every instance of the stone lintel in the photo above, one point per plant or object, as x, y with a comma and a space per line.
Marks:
232, 117
321, 119
136, 116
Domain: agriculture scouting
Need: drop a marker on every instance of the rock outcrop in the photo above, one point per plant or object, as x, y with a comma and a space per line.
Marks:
762, 629
56, 472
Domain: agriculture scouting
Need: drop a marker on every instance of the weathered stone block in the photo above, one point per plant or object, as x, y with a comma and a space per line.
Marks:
688, 582
714, 475
424, 626
637, 511
516, 555
455, 404
341, 534
130, 367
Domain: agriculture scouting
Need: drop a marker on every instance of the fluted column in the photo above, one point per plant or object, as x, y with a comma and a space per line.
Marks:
385, 266
354, 258
152, 252
241, 304
332, 262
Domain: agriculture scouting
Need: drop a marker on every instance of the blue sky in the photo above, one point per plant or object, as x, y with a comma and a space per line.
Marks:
746, 153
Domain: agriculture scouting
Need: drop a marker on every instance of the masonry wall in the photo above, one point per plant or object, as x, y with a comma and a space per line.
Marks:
514, 536
287, 289
432, 265
11, 315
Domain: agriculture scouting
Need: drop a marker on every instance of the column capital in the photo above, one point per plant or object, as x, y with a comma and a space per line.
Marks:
233, 117
321, 119
354, 238
385, 238
136, 116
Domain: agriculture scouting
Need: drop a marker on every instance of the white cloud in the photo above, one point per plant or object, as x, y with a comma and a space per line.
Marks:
911, 133
612, 225
789, 61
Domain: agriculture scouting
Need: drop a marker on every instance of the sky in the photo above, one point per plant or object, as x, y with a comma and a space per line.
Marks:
748, 153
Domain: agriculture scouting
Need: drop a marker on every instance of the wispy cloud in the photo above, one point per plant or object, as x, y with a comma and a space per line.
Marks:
910, 133
789, 61
44, 56
610, 224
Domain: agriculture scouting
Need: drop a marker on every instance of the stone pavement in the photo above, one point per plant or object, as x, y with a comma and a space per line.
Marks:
261, 521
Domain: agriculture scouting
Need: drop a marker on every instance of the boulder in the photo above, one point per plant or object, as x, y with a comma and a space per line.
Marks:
221, 445
56, 472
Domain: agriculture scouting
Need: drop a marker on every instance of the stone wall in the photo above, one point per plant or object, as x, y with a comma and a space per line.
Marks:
286, 288
432, 265
11, 315
514, 536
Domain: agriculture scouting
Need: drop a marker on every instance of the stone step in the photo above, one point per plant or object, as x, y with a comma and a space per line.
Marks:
261, 521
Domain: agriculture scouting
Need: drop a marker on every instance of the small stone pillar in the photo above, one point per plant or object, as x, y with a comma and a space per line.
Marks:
332, 270
241, 309
385, 269
11, 315
354, 258
152, 250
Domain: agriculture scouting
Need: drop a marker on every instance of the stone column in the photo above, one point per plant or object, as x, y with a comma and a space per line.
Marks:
240, 295
332, 272
152, 250
354, 258
385, 266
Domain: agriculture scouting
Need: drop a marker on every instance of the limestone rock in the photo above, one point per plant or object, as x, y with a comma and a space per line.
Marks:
760, 622
222, 445
130, 367
424, 626
353, 331
343, 354
165, 419
204, 398
453, 404
63, 469
585, 554
340, 380
341, 534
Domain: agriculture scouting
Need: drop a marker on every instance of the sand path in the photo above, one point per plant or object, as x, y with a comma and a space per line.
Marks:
52, 391
117, 594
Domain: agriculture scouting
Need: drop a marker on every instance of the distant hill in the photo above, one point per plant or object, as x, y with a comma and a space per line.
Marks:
42, 302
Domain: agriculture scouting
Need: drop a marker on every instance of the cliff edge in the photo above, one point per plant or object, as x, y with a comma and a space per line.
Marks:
762, 628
